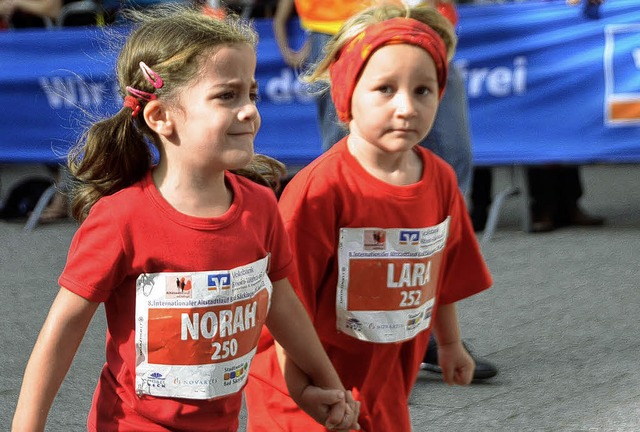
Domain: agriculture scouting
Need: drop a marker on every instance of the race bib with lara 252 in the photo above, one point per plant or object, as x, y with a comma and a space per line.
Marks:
387, 281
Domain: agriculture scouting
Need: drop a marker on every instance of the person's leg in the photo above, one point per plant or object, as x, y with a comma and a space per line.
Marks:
480, 196
569, 191
58, 207
543, 183
450, 137
568, 210
331, 129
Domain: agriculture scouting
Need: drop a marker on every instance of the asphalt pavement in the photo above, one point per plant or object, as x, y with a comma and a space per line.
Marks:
561, 322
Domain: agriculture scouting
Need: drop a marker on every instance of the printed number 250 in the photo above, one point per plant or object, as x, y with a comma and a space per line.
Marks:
225, 349
410, 298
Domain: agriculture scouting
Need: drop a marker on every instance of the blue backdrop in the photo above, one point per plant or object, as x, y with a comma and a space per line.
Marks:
545, 84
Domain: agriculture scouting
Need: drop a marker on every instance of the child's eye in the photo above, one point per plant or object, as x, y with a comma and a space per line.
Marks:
225, 96
423, 90
254, 96
385, 89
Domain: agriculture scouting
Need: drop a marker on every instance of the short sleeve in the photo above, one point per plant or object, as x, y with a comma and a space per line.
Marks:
465, 272
282, 265
96, 262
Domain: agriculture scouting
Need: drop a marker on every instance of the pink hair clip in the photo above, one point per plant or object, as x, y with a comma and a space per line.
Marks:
141, 94
151, 76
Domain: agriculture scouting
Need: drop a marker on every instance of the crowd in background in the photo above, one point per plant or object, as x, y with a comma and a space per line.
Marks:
16, 14
552, 207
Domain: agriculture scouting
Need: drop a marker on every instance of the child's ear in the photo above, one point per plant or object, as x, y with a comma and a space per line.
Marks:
158, 118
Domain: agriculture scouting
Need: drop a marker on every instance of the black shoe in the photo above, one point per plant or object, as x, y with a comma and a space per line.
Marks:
484, 369
542, 223
580, 218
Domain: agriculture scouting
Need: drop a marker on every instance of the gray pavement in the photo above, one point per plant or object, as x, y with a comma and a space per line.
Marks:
561, 323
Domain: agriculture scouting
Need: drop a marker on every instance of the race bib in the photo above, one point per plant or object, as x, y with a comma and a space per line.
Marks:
196, 333
387, 281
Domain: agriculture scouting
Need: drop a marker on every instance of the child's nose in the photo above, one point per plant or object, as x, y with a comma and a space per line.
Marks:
248, 111
404, 105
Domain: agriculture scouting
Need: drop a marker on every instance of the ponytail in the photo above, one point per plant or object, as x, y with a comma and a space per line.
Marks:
112, 155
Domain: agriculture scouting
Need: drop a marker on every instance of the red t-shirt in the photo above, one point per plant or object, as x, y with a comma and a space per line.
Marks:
134, 232
335, 192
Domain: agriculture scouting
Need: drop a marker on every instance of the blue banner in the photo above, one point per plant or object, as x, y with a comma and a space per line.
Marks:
545, 84
548, 84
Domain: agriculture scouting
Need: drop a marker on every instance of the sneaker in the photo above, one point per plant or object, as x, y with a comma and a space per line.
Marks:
484, 369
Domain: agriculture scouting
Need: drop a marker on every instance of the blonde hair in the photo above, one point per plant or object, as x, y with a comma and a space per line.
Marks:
375, 14
172, 40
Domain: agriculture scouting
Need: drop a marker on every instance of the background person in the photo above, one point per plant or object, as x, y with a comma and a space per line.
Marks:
20, 14
555, 190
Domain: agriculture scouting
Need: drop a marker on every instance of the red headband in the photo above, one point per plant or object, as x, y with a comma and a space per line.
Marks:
345, 69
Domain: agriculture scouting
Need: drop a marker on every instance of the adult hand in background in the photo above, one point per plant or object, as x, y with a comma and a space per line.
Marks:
291, 57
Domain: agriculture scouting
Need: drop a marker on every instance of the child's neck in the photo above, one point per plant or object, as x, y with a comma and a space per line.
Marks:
200, 196
400, 169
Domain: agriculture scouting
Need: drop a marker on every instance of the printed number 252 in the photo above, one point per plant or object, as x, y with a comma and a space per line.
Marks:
410, 298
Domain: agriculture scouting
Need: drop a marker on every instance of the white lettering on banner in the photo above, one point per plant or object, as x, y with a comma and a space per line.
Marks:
500, 81
411, 275
72, 92
226, 322
636, 57
287, 89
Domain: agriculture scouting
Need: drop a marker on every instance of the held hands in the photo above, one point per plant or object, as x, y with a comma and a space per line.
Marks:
335, 409
456, 363
344, 416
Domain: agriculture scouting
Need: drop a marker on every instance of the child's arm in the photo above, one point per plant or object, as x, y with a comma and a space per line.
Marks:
455, 361
326, 406
59, 338
311, 379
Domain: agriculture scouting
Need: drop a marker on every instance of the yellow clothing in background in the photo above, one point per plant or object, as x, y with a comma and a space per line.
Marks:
327, 16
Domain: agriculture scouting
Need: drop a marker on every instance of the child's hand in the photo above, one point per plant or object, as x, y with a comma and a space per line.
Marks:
456, 363
335, 409
344, 418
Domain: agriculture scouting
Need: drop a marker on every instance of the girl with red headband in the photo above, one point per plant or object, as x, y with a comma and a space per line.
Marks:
184, 245
378, 227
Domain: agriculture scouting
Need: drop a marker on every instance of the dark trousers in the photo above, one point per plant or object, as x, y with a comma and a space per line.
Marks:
555, 191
